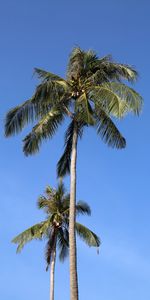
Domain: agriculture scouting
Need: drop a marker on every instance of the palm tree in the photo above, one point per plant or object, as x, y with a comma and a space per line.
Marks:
93, 93
55, 228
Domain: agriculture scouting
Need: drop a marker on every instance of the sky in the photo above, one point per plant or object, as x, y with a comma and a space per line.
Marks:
114, 182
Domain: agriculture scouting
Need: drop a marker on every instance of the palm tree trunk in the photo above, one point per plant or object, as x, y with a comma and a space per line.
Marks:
72, 219
52, 273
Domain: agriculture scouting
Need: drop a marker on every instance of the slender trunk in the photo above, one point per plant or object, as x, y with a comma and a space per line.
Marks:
72, 219
52, 273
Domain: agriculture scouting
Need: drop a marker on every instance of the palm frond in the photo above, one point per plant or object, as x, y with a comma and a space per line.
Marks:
90, 60
63, 243
65, 205
19, 116
117, 71
50, 247
46, 128
84, 111
52, 92
128, 95
108, 131
61, 190
35, 232
83, 208
46, 75
106, 70
49, 191
76, 64
88, 236
46, 204
54, 201
63, 165
104, 97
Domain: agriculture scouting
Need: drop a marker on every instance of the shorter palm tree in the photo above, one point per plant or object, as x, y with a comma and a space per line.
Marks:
56, 228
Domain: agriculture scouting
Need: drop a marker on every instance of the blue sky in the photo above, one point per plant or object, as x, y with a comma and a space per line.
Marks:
115, 183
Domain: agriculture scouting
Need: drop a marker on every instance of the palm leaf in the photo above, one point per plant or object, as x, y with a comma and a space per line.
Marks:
34, 232
104, 97
19, 116
76, 64
108, 131
46, 128
117, 71
90, 60
84, 112
63, 165
51, 246
63, 243
46, 75
49, 191
44, 202
88, 236
83, 208
48, 204
133, 100
61, 190
52, 92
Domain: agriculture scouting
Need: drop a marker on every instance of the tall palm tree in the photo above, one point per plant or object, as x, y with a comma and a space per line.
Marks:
93, 93
55, 228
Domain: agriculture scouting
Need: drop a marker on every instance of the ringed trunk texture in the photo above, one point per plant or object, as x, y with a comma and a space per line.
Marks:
52, 274
72, 219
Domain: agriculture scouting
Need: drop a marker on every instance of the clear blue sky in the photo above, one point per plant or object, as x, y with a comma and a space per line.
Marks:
115, 183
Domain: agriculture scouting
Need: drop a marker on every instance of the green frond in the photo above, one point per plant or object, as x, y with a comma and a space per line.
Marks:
126, 72
43, 203
83, 208
84, 110
49, 191
46, 75
35, 232
63, 165
127, 95
63, 243
106, 70
52, 92
46, 128
88, 236
116, 99
76, 64
65, 204
50, 207
106, 99
19, 116
55, 200
61, 190
108, 131
51, 246
117, 71
105, 59
90, 61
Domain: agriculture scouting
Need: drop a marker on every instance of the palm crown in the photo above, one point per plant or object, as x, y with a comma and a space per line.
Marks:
92, 93
55, 228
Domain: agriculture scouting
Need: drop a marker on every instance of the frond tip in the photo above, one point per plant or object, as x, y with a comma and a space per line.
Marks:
88, 236
18, 117
83, 208
108, 131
